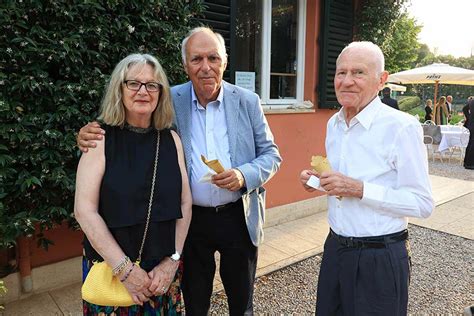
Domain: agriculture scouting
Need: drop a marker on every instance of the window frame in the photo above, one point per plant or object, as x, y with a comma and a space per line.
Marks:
266, 101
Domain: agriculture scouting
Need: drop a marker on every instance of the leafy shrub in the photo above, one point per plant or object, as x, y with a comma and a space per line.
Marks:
418, 111
456, 118
55, 59
407, 103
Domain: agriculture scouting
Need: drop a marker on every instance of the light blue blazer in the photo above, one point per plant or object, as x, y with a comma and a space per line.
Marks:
252, 148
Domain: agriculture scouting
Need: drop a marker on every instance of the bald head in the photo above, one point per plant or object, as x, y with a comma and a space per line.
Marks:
359, 76
201, 29
370, 49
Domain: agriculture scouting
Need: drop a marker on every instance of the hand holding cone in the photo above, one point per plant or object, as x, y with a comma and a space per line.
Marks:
213, 164
321, 164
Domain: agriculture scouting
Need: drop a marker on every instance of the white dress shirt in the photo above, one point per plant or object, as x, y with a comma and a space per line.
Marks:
209, 137
383, 148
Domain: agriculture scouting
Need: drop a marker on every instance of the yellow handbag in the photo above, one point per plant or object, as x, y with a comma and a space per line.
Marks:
101, 287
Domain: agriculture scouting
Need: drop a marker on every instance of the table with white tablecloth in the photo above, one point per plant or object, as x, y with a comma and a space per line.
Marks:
453, 136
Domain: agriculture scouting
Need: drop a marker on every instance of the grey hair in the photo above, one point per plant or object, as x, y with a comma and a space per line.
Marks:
112, 111
371, 48
204, 29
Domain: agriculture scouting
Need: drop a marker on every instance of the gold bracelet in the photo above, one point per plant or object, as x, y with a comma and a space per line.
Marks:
125, 277
121, 266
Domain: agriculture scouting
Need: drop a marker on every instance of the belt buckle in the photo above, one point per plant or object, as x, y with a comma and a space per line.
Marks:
350, 242
220, 207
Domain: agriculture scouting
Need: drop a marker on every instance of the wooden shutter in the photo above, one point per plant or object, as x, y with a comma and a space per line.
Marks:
336, 33
219, 15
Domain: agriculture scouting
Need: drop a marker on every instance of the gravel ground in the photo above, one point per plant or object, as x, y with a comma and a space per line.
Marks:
451, 169
441, 281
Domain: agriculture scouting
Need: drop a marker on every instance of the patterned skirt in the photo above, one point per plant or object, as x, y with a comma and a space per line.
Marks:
171, 303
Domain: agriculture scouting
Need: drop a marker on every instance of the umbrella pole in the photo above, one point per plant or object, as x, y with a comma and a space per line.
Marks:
435, 91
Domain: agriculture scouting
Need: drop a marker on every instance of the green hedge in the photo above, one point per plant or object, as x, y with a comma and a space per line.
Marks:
407, 103
55, 59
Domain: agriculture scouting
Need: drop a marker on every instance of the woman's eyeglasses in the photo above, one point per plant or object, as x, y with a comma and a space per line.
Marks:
137, 85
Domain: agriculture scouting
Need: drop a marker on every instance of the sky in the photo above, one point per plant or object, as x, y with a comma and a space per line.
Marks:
448, 26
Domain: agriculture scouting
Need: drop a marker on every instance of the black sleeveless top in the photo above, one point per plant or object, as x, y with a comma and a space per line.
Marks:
428, 112
125, 192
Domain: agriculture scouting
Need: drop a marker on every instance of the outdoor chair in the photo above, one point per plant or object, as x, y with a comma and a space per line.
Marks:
429, 122
431, 148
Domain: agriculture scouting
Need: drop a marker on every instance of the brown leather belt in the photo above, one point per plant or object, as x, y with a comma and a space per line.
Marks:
370, 242
219, 208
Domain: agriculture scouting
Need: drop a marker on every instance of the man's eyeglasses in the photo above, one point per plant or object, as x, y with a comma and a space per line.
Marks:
137, 85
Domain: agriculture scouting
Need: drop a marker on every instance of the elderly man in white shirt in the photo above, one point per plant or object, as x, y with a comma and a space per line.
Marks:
379, 177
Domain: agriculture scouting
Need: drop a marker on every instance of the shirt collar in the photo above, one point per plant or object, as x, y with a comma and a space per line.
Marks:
197, 105
364, 117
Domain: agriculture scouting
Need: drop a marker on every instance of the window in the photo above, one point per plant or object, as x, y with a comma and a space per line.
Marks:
269, 49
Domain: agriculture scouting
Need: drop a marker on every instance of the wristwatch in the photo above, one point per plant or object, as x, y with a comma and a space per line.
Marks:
176, 256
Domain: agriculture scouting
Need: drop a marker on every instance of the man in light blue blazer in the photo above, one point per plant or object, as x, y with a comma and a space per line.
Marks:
219, 121
222, 121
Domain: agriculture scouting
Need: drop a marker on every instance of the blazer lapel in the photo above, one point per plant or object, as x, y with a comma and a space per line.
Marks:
182, 102
231, 107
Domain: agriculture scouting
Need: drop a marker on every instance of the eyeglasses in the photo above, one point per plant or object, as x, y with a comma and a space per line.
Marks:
137, 85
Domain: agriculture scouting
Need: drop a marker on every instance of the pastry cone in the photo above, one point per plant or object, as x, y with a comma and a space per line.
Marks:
320, 164
213, 164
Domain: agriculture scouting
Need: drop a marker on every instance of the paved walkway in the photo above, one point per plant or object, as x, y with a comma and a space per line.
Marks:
288, 243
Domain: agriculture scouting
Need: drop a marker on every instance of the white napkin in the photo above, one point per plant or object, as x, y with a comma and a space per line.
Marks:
314, 182
206, 178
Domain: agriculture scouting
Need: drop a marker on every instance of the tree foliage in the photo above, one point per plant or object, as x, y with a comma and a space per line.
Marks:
402, 50
386, 23
375, 20
55, 59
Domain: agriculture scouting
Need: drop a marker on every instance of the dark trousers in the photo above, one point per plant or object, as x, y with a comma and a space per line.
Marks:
363, 281
224, 231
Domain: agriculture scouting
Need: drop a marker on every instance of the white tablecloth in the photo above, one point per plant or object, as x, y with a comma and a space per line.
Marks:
453, 136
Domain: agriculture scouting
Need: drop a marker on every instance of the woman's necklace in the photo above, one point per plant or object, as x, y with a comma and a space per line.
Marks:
140, 130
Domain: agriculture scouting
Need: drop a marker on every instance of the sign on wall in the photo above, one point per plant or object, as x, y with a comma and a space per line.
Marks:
245, 79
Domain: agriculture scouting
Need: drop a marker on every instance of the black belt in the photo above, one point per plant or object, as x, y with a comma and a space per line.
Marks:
370, 242
219, 208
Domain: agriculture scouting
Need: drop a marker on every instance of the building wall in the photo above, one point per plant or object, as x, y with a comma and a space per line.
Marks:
300, 135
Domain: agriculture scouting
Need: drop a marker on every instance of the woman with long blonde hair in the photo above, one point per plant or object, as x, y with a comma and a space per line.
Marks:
440, 112
133, 200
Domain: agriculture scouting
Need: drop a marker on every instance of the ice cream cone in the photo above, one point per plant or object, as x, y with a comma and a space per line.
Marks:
320, 164
213, 164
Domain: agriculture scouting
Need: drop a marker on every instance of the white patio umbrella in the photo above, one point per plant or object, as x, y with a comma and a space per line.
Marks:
435, 73
395, 87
